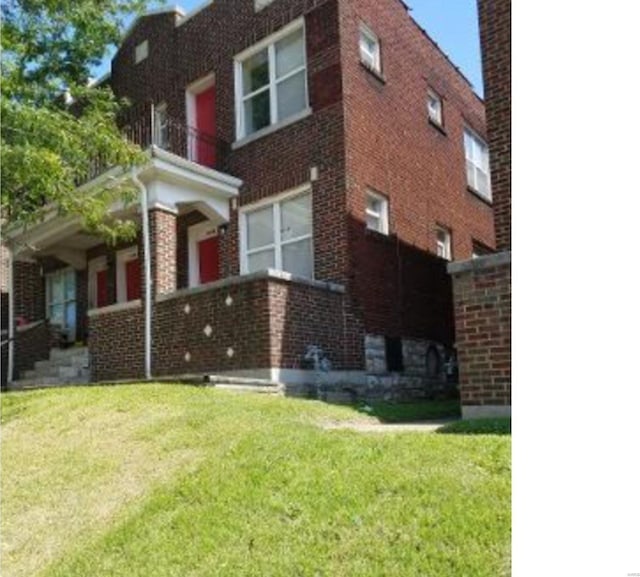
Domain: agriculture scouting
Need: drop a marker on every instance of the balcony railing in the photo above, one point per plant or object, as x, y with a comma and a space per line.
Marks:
145, 126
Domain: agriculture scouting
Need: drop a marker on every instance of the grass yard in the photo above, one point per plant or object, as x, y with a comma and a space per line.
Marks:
178, 481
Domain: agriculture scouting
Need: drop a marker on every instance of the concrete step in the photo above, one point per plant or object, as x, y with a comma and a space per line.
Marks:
263, 390
61, 354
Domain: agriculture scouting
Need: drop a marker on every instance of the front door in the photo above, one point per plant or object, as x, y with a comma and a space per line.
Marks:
61, 301
209, 260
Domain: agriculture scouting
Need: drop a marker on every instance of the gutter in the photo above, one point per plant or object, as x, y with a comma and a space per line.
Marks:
146, 238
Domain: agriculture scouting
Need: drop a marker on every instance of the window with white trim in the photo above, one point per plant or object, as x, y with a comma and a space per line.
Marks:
477, 157
443, 243
271, 81
370, 49
434, 106
377, 211
278, 236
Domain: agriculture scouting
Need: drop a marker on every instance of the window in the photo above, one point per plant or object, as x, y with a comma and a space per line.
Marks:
161, 126
394, 354
434, 106
142, 51
271, 81
377, 213
477, 155
370, 49
279, 236
204, 254
128, 275
443, 243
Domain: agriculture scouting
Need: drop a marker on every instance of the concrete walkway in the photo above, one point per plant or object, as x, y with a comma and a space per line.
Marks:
364, 427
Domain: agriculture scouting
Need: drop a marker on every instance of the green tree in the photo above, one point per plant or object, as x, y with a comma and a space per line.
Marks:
54, 126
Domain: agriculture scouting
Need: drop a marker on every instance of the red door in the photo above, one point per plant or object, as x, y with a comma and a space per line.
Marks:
133, 280
209, 258
102, 296
206, 127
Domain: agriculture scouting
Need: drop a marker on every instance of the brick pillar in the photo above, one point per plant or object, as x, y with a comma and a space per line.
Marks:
164, 251
495, 37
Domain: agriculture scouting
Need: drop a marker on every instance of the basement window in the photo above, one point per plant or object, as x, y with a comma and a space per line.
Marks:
395, 359
142, 51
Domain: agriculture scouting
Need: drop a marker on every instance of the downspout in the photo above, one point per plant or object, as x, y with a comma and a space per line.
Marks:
12, 322
146, 240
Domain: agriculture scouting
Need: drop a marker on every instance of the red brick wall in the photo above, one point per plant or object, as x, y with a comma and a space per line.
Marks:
495, 35
116, 345
32, 345
269, 323
483, 331
163, 231
392, 148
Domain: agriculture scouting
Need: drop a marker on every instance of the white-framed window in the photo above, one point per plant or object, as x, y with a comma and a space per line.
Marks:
161, 126
477, 156
278, 234
434, 107
128, 275
370, 49
142, 51
443, 243
204, 255
377, 211
98, 270
271, 81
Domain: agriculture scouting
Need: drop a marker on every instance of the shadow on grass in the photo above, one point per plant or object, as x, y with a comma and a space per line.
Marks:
478, 427
411, 412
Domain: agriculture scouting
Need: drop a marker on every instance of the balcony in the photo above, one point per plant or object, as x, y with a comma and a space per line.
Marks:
147, 126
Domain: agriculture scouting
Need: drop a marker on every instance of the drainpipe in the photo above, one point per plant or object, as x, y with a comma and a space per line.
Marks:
146, 240
12, 322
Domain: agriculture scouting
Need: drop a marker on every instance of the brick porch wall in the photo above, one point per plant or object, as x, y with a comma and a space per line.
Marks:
256, 322
33, 343
482, 296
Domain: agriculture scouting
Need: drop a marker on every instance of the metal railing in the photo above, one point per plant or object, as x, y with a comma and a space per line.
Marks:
144, 125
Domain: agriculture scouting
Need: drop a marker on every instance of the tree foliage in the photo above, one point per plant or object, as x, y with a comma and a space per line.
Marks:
55, 128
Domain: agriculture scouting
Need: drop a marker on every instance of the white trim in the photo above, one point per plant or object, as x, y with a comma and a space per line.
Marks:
445, 245
96, 265
383, 216
122, 258
375, 58
268, 44
479, 142
196, 234
438, 114
275, 202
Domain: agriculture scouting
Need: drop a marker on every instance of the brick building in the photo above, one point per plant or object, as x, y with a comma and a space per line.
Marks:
312, 166
482, 287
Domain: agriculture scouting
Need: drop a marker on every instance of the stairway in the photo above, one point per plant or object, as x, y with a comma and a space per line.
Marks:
64, 367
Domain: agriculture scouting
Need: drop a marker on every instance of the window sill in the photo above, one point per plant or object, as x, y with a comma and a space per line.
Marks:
438, 127
272, 128
375, 73
115, 308
479, 195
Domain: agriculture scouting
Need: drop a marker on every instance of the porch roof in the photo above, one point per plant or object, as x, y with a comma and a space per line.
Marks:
173, 183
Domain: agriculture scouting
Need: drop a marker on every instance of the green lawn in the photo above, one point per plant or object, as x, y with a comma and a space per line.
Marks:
182, 481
